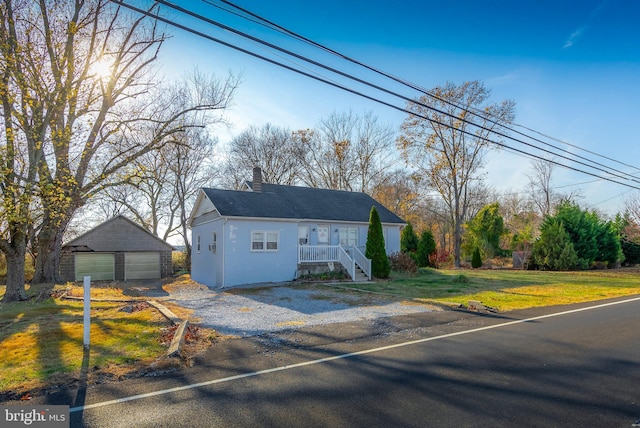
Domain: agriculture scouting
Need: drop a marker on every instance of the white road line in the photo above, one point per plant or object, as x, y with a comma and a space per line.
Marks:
338, 357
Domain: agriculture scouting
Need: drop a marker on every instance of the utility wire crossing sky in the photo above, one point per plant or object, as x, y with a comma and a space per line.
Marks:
283, 90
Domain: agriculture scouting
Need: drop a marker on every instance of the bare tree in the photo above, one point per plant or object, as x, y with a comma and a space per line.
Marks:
442, 140
632, 208
24, 126
521, 219
346, 152
543, 195
162, 200
270, 147
81, 129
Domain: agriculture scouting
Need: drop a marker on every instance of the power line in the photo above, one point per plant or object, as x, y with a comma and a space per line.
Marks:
371, 98
270, 24
601, 167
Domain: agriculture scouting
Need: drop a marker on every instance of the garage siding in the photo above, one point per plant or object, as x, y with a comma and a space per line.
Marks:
142, 265
99, 266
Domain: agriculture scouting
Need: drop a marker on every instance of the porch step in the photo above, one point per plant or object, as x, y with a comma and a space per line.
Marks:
360, 276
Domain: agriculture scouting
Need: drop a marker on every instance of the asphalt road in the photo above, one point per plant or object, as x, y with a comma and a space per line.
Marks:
540, 368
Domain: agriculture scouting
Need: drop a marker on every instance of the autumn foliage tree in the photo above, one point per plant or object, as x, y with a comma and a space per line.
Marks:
446, 136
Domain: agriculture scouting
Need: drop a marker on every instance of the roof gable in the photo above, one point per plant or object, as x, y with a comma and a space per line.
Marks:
119, 234
295, 202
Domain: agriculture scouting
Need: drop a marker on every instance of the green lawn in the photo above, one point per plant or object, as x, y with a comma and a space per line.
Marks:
510, 289
41, 340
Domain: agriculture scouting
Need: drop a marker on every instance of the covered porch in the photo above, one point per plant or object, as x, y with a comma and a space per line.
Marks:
351, 258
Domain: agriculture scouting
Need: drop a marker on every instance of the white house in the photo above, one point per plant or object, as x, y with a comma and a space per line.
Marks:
273, 233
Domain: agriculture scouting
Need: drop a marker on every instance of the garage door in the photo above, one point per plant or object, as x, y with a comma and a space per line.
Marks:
99, 266
141, 266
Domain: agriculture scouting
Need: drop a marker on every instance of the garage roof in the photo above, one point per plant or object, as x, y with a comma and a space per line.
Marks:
117, 234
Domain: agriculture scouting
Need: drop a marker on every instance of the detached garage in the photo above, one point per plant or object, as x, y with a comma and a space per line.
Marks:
117, 249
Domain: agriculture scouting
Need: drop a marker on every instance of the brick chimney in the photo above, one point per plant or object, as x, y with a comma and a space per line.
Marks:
257, 179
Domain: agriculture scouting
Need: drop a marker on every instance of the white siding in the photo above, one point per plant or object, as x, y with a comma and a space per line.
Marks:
233, 262
206, 265
244, 266
205, 206
392, 242
205, 218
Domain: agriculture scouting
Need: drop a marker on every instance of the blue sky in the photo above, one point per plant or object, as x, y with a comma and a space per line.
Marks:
572, 67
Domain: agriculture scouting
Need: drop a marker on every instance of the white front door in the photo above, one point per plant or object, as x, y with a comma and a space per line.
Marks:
323, 235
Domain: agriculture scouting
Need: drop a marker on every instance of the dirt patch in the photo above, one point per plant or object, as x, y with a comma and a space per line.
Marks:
182, 283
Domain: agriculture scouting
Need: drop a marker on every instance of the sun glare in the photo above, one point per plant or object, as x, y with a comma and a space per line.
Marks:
102, 68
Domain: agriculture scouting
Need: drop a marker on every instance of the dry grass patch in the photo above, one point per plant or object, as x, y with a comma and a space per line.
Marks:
182, 282
41, 340
290, 323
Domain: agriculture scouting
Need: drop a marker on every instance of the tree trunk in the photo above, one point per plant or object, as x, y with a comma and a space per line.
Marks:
457, 231
49, 248
457, 243
187, 258
15, 290
187, 247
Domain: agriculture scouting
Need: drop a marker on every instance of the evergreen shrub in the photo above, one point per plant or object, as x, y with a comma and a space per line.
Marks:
375, 249
476, 259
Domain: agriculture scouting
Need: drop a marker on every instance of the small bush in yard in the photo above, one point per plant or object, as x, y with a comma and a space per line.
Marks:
408, 239
402, 262
426, 247
335, 275
476, 259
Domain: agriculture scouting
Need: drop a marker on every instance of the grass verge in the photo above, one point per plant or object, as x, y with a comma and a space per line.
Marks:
508, 290
41, 340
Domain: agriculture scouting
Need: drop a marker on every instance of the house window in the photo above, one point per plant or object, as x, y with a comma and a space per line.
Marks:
198, 244
267, 240
214, 243
303, 235
348, 236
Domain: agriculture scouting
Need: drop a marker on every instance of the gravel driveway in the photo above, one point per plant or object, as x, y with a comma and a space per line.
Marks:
263, 309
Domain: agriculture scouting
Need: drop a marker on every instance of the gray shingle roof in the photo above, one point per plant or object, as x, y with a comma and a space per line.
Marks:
294, 202
119, 234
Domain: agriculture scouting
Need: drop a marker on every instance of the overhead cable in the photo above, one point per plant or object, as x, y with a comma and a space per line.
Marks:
371, 98
600, 167
257, 19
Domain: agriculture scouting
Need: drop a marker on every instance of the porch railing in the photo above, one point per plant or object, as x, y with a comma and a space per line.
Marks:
349, 257
362, 261
348, 263
318, 253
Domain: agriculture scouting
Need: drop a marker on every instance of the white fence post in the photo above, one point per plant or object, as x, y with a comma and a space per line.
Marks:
87, 310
